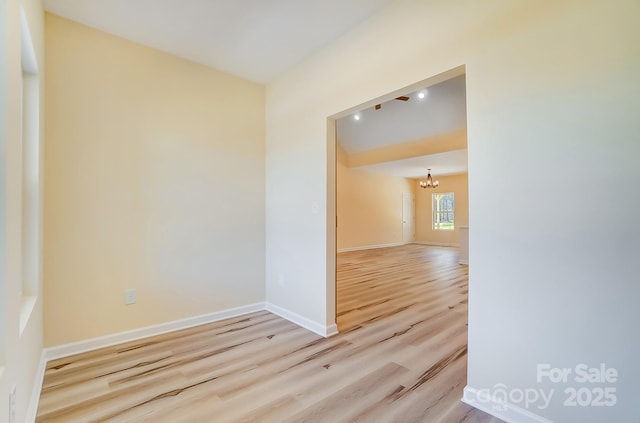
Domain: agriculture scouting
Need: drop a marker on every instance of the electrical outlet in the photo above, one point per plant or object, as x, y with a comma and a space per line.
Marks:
12, 404
130, 296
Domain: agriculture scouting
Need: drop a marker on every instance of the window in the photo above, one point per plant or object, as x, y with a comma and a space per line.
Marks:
443, 211
4, 44
31, 202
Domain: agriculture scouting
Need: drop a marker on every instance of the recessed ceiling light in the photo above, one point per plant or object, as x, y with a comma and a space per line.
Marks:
356, 116
422, 94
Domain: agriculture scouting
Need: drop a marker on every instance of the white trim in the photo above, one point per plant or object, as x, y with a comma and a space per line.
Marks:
438, 244
370, 247
302, 321
510, 413
73, 348
27, 52
32, 410
66, 350
27, 303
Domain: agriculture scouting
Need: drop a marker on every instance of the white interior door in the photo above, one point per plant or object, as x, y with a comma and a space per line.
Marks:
408, 218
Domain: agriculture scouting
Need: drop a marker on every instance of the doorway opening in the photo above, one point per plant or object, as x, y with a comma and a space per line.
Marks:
383, 149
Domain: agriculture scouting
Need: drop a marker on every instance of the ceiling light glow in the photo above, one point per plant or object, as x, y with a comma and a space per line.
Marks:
356, 116
422, 95
429, 183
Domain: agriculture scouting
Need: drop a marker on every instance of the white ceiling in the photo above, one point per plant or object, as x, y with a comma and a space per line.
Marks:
261, 39
255, 39
447, 163
442, 110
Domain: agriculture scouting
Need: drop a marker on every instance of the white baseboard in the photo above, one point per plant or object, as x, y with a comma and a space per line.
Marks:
73, 348
369, 247
508, 412
66, 350
438, 244
302, 321
34, 401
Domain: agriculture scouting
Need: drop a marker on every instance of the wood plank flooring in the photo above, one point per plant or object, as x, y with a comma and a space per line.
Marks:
400, 357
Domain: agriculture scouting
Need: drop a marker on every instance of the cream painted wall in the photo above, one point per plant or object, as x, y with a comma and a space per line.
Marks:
552, 87
154, 171
424, 229
456, 140
369, 207
19, 352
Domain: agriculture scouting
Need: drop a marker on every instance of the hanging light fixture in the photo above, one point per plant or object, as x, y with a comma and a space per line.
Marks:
429, 183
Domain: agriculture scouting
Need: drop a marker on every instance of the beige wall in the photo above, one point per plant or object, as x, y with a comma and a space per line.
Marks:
154, 181
19, 350
541, 81
369, 207
457, 184
456, 140
552, 87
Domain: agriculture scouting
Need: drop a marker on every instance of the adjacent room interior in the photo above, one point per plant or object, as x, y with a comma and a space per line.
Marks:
386, 195
384, 151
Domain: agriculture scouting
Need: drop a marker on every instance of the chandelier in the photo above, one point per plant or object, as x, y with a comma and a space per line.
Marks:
429, 183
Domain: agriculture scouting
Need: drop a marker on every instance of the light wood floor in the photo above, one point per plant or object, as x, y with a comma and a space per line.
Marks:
400, 357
